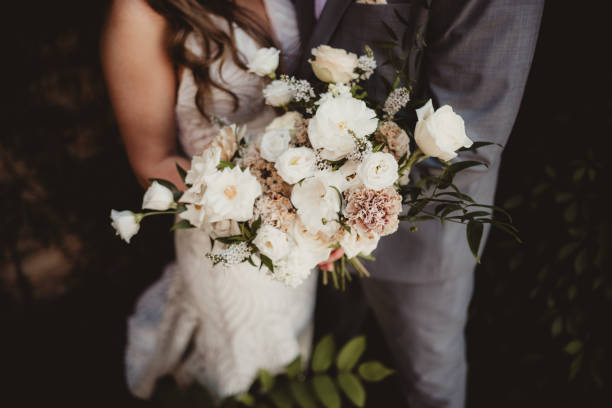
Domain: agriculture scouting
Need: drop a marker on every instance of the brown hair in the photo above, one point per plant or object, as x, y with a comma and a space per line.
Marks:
194, 16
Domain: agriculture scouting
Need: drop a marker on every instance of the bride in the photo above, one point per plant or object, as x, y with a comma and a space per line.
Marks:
172, 66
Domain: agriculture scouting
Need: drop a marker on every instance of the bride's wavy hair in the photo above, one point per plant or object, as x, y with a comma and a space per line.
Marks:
194, 16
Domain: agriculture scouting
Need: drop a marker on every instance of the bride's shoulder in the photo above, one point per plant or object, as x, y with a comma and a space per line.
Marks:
133, 18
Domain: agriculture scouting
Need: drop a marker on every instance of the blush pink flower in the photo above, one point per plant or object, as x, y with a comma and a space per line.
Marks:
373, 211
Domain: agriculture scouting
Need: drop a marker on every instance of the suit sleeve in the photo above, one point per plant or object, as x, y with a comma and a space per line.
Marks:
477, 60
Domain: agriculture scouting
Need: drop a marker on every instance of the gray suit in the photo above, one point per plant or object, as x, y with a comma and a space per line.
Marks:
477, 60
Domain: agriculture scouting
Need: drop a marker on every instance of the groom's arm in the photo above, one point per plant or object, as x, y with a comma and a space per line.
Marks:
477, 60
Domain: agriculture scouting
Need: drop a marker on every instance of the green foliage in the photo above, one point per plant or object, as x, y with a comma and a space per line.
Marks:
325, 384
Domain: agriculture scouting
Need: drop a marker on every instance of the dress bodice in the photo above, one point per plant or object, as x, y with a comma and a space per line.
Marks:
195, 130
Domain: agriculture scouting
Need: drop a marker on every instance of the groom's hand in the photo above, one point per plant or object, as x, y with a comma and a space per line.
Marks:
333, 257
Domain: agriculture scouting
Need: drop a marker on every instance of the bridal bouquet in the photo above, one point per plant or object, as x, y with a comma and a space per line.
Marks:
332, 172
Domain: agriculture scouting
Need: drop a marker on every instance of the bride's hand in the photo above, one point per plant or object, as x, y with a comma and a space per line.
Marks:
333, 257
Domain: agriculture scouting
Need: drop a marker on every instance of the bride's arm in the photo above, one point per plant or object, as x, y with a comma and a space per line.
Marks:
141, 82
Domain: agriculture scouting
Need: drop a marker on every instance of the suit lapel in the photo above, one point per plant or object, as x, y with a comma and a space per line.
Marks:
304, 9
323, 30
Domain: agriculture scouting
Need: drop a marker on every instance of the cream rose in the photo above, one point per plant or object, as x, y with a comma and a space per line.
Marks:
440, 133
337, 123
264, 62
295, 164
287, 121
333, 64
157, 197
272, 242
378, 170
355, 243
274, 143
125, 223
278, 93
230, 194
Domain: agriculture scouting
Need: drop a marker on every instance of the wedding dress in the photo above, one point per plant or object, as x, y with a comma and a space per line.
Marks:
214, 325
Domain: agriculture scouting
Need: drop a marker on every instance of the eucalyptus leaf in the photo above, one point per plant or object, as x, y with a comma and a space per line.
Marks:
323, 354
326, 391
350, 353
352, 387
302, 394
373, 371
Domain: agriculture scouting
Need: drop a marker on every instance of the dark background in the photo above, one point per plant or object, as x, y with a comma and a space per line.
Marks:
540, 320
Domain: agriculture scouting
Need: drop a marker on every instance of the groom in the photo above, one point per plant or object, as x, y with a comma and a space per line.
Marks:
477, 58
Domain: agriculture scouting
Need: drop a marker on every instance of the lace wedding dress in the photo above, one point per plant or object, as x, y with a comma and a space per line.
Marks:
208, 324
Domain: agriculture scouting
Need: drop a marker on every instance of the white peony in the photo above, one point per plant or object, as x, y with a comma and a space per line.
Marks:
230, 194
355, 243
195, 214
337, 123
272, 243
157, 197
295, 164
201, 166
264, 62
317, 204
274, 143
378, 170
125, 223
287, 121
278, 93
440, 133
333, 64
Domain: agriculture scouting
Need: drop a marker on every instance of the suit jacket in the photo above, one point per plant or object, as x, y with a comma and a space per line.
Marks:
476, 59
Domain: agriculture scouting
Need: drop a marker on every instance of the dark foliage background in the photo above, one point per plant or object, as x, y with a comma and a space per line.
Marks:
539, 330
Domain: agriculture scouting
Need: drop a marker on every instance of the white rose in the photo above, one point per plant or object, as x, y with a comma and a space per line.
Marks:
230, 194
333, 64
264, 62
195, 214
317, 204
293, 270
337, 123
272, 243
287, 121
440, 133
274, 143
355, 243
295, 164
378, 170
125, 223
278, 93
157, 197
314, 248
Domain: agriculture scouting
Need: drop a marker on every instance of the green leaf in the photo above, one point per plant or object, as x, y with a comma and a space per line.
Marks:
302, 394
294, 369
168, 184
352, 387
557, 326
573, 347
374, 371
474, 235
323, 354
326, 391
267, 262
350, 353
246, 398
477, 145
463, 165
255, 226
266, 380
281, 398
181, 171
225, 164
182, 224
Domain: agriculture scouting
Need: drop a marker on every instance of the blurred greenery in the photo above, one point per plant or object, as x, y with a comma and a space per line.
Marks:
538, 334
